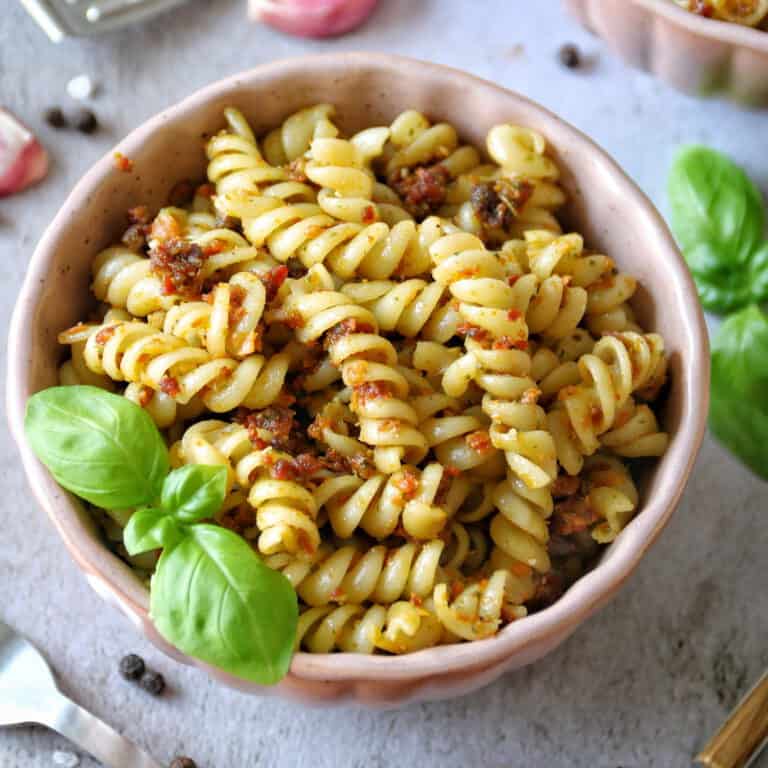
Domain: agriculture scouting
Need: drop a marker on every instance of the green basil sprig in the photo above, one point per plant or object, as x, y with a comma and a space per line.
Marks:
211, 595
718, 217
738, 414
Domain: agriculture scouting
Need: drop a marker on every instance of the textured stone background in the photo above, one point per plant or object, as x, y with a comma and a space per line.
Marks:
644, 683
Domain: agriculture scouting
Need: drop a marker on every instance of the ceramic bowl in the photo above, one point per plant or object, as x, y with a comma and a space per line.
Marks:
694, 54
605, 205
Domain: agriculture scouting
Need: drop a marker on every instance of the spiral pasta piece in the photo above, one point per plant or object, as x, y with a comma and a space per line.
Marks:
635, 433
136, 352
239, 171
415, 141
368, 365
466, 551
127, 280
373, 250
519, 530
228, 325
379, 574
286, 516
458, 435
608, 291
382, 504
398, 628
292, 139
476, 610
411, 308
341, 168
517, 193
222, 443
487, 302
612, 495
285, 511
619, 365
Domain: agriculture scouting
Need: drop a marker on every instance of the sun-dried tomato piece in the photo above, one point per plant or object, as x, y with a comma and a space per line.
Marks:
123, 163
407, 483
472, 332
479, 441
572, 516
273, 279
565, 485
344, 328
498, 203
372, 390
170, 386
105, 334
422, 189
179, 264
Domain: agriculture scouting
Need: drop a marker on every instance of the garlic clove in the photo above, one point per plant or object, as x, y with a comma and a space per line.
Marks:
23, 160
312, 18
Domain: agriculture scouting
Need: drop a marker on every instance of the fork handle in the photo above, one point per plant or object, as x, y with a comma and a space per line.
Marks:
96, 737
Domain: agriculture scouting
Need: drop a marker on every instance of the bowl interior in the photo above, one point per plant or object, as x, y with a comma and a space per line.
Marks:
604, 206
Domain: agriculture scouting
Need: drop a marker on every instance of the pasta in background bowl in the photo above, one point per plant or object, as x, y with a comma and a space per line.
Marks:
460, 234
699, 55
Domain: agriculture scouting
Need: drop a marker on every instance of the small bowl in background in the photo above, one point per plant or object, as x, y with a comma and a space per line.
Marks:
368, 89
697, 55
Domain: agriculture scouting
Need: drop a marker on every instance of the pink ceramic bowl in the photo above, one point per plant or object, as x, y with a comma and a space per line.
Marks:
368, 89
695, 54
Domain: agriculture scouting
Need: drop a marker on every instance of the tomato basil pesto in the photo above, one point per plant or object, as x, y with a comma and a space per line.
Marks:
422, 397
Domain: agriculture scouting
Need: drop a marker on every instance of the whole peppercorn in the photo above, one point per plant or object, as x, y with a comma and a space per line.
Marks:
131, 666
55, 117
152, 682
85, 121
569, 56
183, 762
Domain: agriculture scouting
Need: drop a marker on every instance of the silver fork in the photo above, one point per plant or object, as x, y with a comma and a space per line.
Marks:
29, 694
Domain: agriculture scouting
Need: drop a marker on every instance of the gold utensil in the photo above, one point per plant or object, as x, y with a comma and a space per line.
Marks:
743, 735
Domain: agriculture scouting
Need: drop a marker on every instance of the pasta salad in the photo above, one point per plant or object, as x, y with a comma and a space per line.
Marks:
426, 396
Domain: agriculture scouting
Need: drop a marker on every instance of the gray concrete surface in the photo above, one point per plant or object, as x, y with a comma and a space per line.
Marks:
643, 684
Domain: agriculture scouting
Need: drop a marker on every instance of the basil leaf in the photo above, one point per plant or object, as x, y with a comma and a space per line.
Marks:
715, 203
194, 492
738, 414
717, 215
214, 599
149, 529
728, 290
100, 446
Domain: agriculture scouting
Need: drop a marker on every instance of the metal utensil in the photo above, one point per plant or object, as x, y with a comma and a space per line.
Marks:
28, 694
62, 18
744, 734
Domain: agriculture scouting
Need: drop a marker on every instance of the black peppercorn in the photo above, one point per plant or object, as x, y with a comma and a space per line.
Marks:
131, 666
569, 56
152, 682
85, 121
183, 762
55, 117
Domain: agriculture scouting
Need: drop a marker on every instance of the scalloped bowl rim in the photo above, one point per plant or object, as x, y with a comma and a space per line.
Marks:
587, 594
730, 32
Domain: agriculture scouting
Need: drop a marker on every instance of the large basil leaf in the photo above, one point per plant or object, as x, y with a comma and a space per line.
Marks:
194, 492
717, 215
100, 446
214, 599
738, 414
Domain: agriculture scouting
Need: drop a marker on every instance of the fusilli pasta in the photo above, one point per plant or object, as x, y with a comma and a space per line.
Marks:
426, 395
